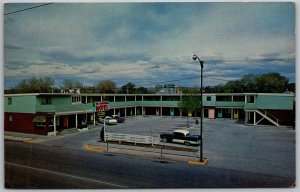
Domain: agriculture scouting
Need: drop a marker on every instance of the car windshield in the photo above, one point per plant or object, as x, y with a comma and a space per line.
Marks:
189, 135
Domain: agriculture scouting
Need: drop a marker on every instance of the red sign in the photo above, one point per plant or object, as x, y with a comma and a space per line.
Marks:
101, 106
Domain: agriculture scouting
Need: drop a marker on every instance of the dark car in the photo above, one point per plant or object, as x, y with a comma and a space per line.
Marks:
118, 118
181, 136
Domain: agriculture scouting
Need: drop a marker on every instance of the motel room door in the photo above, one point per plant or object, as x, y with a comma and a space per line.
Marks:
211, 113
220, 113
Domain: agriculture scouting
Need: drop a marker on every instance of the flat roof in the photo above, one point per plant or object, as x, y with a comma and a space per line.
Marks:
113, 94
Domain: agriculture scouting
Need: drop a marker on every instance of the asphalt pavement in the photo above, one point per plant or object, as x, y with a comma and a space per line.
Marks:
227, 144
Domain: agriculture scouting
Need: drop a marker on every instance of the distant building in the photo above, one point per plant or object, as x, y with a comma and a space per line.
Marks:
46, 113
168, 89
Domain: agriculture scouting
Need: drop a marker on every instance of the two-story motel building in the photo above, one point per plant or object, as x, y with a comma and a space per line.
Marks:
47, 113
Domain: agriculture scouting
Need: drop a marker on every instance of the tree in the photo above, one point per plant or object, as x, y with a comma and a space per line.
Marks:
141, 90
272, 83
129, 88
265, 83
106, 86
189, 103
233, 87
249, 83
35, 85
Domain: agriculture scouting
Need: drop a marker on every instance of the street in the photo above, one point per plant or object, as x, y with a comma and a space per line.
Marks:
238, 156
40, 166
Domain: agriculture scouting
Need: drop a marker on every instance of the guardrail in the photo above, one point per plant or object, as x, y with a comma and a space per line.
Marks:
128, 138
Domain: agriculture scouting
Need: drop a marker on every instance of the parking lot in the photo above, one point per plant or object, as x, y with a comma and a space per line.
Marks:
227, 143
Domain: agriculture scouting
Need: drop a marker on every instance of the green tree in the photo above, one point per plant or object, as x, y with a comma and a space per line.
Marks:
128, 88
265, 83
249, 83
35, 85
106, 86
272, 83
190, 102
233, 87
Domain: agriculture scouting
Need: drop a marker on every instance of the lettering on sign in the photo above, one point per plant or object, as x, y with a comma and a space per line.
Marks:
101, 114
101, 106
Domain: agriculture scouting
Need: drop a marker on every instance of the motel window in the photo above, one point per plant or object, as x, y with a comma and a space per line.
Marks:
9, 101
250, 99
76, 99
223, 98
40, 124
10, 117
208, 98
46, 101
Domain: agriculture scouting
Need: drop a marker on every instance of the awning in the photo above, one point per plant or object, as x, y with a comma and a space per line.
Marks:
39, 119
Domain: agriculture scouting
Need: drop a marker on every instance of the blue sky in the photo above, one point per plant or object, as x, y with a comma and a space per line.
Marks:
148, 43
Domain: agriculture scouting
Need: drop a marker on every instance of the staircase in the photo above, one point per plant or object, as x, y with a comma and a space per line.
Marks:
266, 115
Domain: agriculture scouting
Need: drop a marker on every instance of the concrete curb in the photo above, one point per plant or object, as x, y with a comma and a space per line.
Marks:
34, 141
205, 161
24, 139
93, 148
151, 154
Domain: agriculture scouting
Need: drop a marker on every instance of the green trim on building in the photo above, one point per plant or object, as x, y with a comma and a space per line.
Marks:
20, 104
56, 103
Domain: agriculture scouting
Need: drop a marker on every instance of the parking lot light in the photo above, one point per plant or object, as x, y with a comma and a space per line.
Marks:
195, 57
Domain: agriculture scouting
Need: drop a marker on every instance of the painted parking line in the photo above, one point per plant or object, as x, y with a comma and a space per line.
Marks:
93, 148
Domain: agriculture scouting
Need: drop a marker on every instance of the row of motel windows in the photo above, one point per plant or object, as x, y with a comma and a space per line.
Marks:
77, 99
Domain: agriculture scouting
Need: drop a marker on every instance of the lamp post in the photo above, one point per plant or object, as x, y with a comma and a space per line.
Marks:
195, 57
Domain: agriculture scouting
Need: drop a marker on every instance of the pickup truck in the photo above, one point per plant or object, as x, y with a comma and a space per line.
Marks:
181, 136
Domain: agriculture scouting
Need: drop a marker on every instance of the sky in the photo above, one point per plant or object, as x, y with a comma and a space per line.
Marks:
148, 43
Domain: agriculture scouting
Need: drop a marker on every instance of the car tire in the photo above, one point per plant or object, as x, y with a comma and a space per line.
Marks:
187, 143
164, 140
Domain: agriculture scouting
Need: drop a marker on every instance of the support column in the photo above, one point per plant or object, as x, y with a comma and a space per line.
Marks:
231, 113
76, 119
254, 117
246, 117
161, 111
94, 117
135, 111
54, 121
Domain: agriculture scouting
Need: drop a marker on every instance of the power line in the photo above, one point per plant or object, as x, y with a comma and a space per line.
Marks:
27, 8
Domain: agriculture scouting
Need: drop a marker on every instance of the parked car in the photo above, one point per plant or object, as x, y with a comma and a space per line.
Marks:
181, 136
118, 118
108, 120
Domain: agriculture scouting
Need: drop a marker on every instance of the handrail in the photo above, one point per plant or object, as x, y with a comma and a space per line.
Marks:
269, 114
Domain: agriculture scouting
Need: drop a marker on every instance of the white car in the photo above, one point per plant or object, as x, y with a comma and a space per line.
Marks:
109, 121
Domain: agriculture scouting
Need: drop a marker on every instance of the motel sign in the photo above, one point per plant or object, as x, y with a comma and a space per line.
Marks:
101, 106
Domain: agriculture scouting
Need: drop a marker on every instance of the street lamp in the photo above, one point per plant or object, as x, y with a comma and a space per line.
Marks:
195, 57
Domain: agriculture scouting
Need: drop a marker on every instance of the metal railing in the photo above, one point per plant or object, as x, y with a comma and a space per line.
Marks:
128, 138
158, 151
269, 115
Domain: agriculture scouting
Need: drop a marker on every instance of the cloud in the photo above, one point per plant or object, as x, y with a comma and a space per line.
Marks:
149, 41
